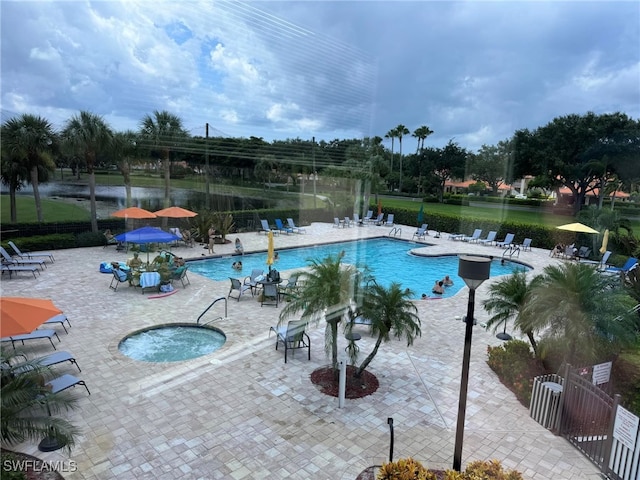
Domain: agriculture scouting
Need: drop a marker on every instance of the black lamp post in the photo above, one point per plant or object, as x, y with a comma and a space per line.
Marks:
474, 271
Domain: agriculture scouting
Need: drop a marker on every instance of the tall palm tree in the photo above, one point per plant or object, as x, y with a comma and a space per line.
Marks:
401, 130
421, 133
28, 139
163, 130
508, 298
13, 174
328, 289
29, 409
585, 309
124, 147
88, 135
392, 135
391, 312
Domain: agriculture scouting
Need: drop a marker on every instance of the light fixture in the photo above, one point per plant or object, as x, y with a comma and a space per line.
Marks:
473, 270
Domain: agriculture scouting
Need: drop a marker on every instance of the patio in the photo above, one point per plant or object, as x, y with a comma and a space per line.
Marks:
243, 413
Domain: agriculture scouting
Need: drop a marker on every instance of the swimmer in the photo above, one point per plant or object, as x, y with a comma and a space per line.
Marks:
438, 288
447, 282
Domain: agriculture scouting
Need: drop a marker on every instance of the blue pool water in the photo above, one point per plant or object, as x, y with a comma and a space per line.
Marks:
388, 259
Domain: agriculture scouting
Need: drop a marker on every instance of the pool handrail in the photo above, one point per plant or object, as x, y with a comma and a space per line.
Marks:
209, 307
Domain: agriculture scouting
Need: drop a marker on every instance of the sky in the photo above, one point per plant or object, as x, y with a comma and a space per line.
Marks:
473, 72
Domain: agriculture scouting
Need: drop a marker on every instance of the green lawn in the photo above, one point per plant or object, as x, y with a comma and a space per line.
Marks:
52, 210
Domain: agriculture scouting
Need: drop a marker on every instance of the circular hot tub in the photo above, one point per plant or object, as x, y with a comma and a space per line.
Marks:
172, 342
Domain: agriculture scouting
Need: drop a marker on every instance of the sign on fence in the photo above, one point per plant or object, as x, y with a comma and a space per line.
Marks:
625, 428
601, 373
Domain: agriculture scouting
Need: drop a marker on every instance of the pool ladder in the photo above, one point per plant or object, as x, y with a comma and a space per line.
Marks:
209, 307
395, 232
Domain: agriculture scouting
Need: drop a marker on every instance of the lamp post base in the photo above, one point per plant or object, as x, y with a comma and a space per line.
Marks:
49, 444
503, 336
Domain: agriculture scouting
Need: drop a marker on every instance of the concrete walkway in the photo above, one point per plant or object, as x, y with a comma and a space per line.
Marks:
241, 413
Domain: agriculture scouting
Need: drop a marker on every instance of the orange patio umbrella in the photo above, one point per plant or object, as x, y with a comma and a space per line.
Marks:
175, 212
133, 212
19, 315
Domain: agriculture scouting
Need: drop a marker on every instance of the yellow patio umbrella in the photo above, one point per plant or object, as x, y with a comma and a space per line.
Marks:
577, 227
605, 241
270, 250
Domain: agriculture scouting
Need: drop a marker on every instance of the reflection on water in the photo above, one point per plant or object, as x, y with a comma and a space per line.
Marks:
148, 198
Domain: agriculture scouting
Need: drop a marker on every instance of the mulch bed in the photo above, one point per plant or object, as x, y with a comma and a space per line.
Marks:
369, 473
327, 381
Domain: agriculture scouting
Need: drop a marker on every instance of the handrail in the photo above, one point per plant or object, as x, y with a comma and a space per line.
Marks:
212, 304
395, 231
511, 250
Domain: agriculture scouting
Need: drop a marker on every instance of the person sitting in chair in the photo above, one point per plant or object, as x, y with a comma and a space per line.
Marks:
135, 263
187, 237
438, 288
239, 247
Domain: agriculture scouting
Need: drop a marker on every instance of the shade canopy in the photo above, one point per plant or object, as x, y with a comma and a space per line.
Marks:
175, 212
133, 212
270, 250
147, 235
577, 227
19, 315
605, 241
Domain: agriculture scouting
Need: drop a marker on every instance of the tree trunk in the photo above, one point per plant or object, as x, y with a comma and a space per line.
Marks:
12, 204
92, 201
369, 358
532, 340
36, 193
167, 187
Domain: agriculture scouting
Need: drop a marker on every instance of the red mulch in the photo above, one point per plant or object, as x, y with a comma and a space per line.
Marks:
327, 381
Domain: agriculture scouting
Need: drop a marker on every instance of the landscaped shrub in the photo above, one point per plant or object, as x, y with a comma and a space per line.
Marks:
625, 376
405, 469
410, 469
516, 366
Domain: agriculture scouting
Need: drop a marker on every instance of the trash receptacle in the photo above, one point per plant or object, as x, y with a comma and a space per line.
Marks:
552, 392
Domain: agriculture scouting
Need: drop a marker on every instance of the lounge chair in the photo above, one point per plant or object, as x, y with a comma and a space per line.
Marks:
27, 254
360, 320
508, 240
629, 265
583, 252
281, 228
602, 263
35, 335
57, 357
289, 288
65, 381
8, 259
292, 336
456, 236
491, 237
356, 219
526, 245
389, 222
270, 294
61, 318
378, 220
238, 287
180, 273
13, 268
421, 232
474, 237
252, 280
293, 226
347, 222
337, 223
266, 228
368, 218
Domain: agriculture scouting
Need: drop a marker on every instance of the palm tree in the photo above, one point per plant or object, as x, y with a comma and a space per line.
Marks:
13, 174
124, 147
507, 300
585, 309
28, 408
328, 289
391, 312
28, 139
88, 134
421, 133
401, 130
163, 130
392, 135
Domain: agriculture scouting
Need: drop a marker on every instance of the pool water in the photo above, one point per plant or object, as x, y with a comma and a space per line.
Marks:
172, 343
388, 259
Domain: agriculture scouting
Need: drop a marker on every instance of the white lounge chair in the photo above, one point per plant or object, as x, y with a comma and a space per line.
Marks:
421, 232
368, 217
474, 237
491, 237
389, 222
293, 226
508, 240
526, 245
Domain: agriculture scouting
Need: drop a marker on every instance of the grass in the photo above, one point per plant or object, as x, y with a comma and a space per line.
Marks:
52, 210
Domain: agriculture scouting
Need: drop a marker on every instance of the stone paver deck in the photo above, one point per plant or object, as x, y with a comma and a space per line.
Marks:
241, 413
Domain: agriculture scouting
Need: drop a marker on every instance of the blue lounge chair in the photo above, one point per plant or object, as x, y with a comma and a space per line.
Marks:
337, 223
347, 222
389, 222
266, 228
61, 318
8, 259
28, 255
378, 220
281, 228
526, 245
293, 226
58, 357
65, 381
35, 335
368, 218
13, 268
491, 237
508, 240
421, 232
629, 265
292, 336
600, 264
474, 237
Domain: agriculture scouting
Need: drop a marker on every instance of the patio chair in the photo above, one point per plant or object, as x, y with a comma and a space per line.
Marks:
13, 268
348, 222
389, 222
292, 337
583, 252
356, 219
57, 357
281, 228
569, 252
252, 280
119, 276
289, 288
65, 381
27, 254
337, 223
61, 318
8, 259
629, 265
238, 287
491, 237
270, 294
526, 245
266, 228
180, 273
293, 226
35, 335
474, 237
600, 264
508, 240
421, 232
378, 220
368, 218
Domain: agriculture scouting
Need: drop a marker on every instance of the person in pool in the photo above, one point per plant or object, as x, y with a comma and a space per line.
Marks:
438, 288
446, 281
237, 265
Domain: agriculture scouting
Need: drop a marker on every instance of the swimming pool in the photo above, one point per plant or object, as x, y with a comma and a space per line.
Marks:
388, 259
